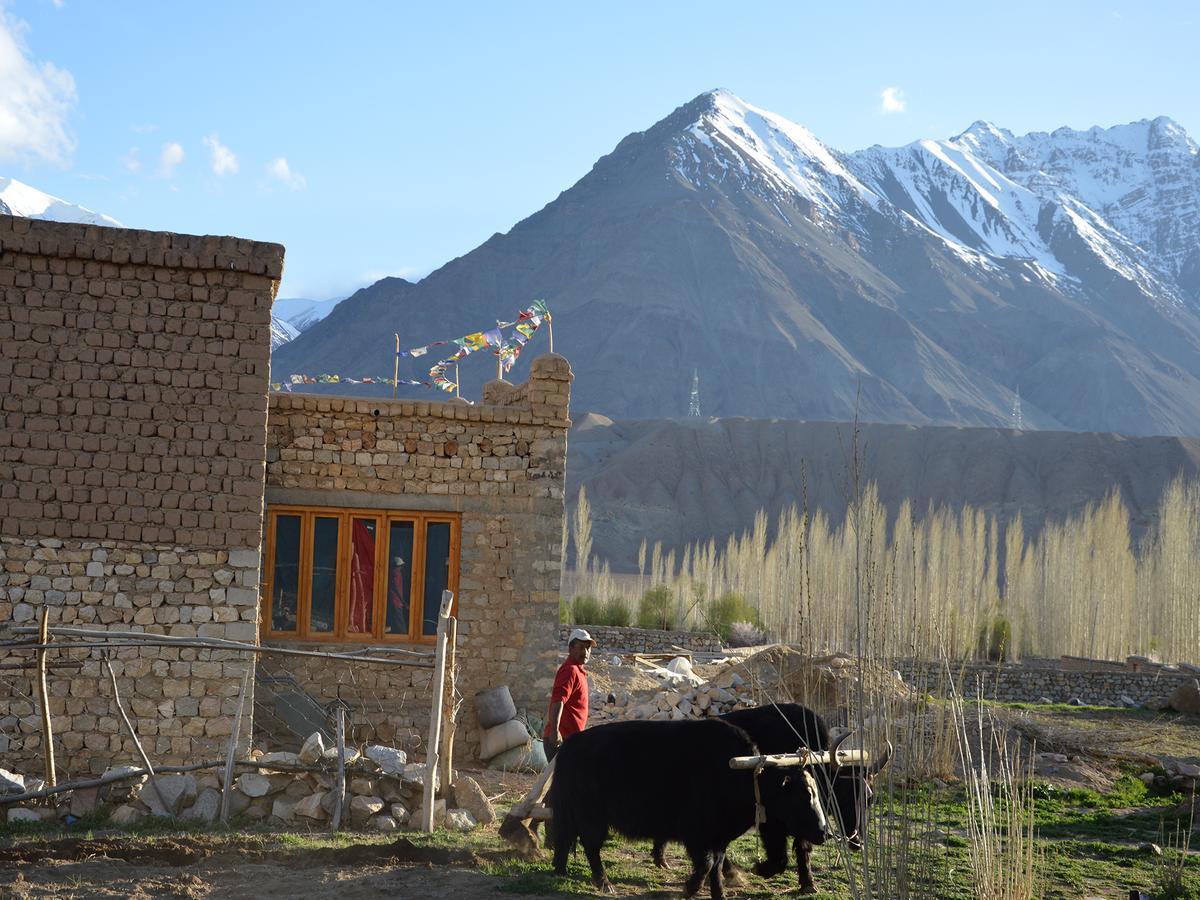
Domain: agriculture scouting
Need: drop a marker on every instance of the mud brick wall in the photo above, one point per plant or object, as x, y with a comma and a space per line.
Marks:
133, 386
611, 639
501, 464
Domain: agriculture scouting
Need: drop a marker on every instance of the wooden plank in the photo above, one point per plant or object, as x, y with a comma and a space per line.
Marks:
233, 739
340, 784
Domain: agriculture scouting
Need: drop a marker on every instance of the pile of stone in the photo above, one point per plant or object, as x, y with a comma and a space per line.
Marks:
724, 693
1182, 777
384, 792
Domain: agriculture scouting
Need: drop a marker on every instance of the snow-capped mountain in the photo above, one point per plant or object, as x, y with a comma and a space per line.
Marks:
928, 283
19, 199
281, 332
300, 312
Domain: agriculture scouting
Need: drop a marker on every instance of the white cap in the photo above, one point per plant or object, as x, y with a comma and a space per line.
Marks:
580, 635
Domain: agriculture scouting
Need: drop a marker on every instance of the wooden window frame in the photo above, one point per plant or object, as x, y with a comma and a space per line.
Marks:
346, 516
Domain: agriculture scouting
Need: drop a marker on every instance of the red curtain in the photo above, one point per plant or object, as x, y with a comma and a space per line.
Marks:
362, 578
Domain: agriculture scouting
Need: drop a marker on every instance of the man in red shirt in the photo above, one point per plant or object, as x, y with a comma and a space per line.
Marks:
568, 711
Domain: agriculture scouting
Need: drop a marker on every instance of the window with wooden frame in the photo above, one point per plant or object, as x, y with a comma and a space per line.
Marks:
357, 574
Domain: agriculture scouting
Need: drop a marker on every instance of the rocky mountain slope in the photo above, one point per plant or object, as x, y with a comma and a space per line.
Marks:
685, 480
925, 284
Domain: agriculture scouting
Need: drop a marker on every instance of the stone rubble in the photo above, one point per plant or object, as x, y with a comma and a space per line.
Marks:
384, 792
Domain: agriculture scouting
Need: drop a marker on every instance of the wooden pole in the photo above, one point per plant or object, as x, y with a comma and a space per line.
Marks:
801, 758
457, 383
44, 700
435, 713
396, 368
233, 740
550, 326
448, 734
133, 734
514, 828
340, 784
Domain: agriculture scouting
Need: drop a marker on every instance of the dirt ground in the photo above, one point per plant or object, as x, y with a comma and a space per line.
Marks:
200, 866
82, 862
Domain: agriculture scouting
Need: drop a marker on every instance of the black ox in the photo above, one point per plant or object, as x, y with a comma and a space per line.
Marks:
784, 728
671, 781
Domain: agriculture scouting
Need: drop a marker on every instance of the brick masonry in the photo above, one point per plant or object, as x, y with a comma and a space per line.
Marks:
501, 464
133, 379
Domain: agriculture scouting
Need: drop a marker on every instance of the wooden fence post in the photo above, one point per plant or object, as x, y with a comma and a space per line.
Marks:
436, 712
44, 700
340, 784
451, 717
233, 739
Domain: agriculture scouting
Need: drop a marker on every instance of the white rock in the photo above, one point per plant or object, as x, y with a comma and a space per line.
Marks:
350, 754
459, 820
11, 782
206, 808
313, 748
363, 808
311, 806
382, 823
389, 759
177, 792
20, 814
400, 813
363, 786
281, 757
283, 808
253, 785
124, 816
470, 796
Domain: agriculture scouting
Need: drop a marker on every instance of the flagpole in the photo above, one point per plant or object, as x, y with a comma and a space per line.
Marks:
456, 382
550, 325
396, 367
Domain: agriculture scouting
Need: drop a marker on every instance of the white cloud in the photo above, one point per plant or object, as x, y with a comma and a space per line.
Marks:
280, 169
132, 160
224, 162
172, 156
35, 99
892, 100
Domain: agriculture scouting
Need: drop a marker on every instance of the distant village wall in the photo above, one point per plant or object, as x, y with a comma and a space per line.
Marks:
133, 383
500, 467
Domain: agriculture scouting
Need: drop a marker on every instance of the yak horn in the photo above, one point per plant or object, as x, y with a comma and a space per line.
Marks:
833, 749
874, 768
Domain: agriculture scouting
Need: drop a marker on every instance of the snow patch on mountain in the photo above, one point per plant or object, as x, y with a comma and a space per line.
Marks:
282, 332
1129, 195
19, 199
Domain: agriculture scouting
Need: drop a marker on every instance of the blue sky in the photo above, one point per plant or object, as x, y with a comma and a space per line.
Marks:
376, 139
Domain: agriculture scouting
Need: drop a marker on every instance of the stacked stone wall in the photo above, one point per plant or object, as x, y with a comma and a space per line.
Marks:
645, 640
1095, 686
500, 465
133, 383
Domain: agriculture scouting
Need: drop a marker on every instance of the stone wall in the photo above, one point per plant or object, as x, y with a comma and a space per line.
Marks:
1016, 683
133, 384
644, 640
500, 465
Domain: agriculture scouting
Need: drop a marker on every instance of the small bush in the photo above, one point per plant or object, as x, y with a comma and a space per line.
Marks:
655, 608
616, 613
730, 608
564, 612
587, 610
995, 640
745, 634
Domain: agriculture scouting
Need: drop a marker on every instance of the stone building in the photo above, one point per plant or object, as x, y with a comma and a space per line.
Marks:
375, 506
133, 380
145, 485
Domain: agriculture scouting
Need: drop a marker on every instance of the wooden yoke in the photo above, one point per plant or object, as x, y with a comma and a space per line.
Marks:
800, 758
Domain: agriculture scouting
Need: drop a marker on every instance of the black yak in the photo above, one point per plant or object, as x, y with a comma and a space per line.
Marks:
671, 781
784, 728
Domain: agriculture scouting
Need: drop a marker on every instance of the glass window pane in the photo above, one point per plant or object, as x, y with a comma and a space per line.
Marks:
437, 573
324, 574
399, 579
362, 576
285, 576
